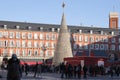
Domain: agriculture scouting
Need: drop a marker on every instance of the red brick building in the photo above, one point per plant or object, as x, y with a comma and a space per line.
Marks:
38, 41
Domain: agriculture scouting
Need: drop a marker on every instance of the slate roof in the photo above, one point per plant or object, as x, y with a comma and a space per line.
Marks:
48, 27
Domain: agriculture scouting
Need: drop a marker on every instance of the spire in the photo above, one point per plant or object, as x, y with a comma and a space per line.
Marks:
63, 5
63, 47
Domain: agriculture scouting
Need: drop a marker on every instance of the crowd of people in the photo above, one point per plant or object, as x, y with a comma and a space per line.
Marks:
75, 71
67, 70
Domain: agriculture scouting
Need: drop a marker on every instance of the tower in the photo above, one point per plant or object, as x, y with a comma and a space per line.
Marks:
63, 47
113, 20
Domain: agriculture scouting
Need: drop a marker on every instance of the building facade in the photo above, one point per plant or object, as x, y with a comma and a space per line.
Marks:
38, 41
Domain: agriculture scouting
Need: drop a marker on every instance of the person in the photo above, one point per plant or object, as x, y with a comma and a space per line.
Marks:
78, 69
62, 68
14, 68
85, 71
35, 69
111, 70
26, 69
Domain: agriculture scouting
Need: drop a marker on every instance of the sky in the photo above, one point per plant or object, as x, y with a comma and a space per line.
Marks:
77, 12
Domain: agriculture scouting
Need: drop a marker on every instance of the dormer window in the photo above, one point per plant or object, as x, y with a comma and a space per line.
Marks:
53, 29
112, 33
91, 31
17, 27
80, 31
5, 26
101, 32
29, 27
41, 28
58, 29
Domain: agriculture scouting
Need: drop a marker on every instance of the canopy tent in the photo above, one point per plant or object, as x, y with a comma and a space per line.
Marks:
30, 62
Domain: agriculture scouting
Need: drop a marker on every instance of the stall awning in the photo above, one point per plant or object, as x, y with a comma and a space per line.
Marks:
30, 62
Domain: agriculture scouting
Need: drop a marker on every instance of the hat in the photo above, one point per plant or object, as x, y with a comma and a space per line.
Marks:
14, 56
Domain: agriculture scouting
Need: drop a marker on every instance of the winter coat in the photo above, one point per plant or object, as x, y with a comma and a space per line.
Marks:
14, 69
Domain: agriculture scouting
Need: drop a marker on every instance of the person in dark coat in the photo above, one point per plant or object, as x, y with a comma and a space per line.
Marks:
62, 68
14, 68
26, 69
79, 67
35, 69
85, 71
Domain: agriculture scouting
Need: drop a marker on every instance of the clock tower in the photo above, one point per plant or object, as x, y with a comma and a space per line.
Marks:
113, 20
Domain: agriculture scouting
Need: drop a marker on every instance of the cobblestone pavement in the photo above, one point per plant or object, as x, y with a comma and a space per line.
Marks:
56, 76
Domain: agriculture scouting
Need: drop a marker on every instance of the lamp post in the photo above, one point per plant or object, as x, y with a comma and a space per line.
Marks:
44, 48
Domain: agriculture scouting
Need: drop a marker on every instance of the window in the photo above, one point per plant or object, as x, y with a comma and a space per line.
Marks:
85, 46
48, 45
18, 43
18, 52
91, 32
113, 40
41, 53
41, 44
75, 38
105, 39
106, 46
102, 39
47, 53
53, 45
41, 36
35, 44
23, 35
1, 43
91, 39
112, 33
17, 35
86, 38
6, 43
53, 37
29, 44
53, 29
36, 52
80, 31
29, 35
47, 37
24, 43
5, 34
29, 52
80, 38
80, 46
11, 43
101, 46
1, 35
96, 46
101, 32
35, 36
97, 39
11, 52
52, 53
91, 46
23, 52
112, 47
11, 35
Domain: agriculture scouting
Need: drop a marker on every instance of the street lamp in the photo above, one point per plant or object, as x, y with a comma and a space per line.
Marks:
44, 48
